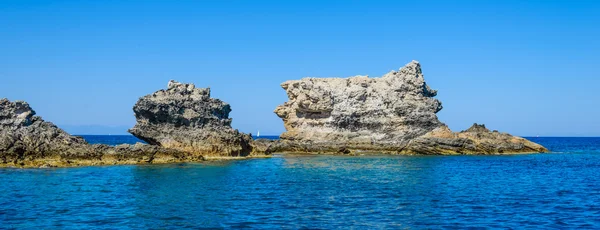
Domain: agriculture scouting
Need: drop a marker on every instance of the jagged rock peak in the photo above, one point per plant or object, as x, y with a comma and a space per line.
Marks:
15, 114
183, 105
412, 69
182, 91
478, 128
407, 75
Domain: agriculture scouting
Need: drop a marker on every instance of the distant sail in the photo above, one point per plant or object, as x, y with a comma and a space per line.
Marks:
258, 134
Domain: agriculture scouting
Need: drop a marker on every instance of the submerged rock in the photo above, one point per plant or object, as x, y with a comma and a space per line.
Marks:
185, 118
395, 113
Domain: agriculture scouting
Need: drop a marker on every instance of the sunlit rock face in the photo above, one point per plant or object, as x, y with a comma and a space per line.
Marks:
388, 110
186, 118
360, 113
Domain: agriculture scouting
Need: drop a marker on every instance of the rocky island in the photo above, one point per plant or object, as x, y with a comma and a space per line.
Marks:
186, 118
394, 114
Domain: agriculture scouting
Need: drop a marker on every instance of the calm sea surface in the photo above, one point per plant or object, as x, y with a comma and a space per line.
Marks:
557, 190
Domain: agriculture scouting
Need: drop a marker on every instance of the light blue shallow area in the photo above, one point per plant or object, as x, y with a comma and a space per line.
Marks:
557, 190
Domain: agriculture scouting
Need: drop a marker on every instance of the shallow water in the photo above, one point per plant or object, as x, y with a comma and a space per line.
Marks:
558, 190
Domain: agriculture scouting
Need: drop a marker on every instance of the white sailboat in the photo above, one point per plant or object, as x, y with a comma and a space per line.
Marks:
258, 133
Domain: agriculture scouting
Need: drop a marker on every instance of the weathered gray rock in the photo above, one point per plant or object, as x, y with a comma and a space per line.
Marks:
395, 114
24, 136
27, 140
185, 118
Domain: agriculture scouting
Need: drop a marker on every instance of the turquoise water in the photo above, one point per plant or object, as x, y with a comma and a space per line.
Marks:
558, 190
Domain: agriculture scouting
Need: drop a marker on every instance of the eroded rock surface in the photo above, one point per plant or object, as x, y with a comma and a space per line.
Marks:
186, 118
24, 136
27, 140
395, 113
360, 110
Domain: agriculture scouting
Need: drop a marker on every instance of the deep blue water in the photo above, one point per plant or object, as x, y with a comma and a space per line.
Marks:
557, 190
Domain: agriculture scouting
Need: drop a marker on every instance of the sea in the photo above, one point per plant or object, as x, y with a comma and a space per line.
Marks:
558, 190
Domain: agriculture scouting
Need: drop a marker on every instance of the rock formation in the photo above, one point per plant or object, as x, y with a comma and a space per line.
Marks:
27, 140
475, 140
24, 136
185, 118
395, 114
181, 124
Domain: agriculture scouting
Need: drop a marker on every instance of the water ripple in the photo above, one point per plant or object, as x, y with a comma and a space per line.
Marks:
559, 190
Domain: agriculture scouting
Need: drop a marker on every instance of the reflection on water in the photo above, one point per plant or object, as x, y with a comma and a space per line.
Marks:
540, 191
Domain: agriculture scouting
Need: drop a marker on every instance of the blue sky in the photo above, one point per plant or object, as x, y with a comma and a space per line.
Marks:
525, 67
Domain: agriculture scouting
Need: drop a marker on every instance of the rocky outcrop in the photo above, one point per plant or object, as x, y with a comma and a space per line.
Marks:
360, 110
181, 124
24, 136
475, 140
395, 113
186, 118
27, 140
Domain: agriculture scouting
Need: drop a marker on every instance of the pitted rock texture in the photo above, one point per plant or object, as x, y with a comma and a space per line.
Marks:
185, 118
386, 114
389, 110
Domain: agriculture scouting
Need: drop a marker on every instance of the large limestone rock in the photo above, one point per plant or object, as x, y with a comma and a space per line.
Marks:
359, 111
27, 140
395, 113
185, 118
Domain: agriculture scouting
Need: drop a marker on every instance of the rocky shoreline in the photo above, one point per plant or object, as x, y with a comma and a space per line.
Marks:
393, 114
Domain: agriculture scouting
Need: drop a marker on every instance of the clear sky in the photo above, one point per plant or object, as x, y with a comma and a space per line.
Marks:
525, 67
